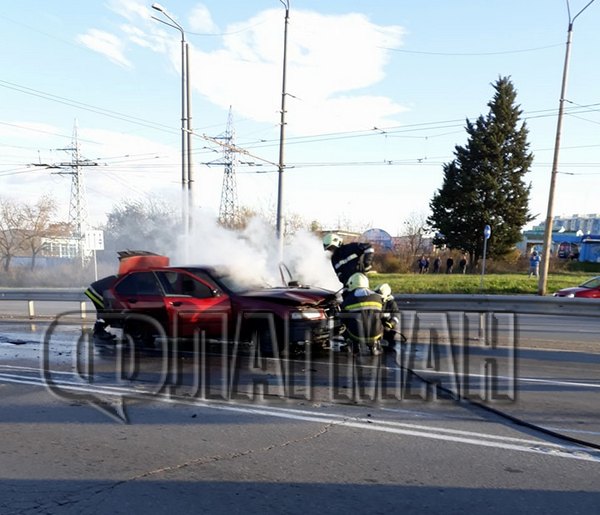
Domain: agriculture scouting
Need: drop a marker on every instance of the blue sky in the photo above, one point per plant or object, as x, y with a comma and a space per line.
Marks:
378, 96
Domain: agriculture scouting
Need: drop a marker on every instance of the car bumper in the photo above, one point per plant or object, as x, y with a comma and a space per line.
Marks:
311, 332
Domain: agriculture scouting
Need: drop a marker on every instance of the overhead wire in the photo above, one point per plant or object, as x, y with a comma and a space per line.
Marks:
392, 131
473, 54
396, 131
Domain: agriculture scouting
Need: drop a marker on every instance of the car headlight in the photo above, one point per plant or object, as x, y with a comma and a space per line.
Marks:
308, 314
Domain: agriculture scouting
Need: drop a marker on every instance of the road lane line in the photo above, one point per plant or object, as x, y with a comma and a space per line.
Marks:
433, 433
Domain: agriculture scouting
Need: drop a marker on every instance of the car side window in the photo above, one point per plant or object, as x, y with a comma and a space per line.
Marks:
177, 283
140, 283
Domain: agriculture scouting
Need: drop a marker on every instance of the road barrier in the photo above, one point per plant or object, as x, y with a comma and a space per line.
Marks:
531, 304
31, 296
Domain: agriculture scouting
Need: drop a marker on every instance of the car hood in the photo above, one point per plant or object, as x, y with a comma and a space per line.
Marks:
292, 296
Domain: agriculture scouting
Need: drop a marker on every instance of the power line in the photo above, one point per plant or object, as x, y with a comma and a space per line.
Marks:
472, 54
86, 107
392, 131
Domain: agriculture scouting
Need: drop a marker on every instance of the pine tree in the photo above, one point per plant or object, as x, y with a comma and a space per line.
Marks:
484, 183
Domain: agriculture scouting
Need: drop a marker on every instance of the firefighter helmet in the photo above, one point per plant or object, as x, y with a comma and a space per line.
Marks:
358, 280
384, 290
332, 240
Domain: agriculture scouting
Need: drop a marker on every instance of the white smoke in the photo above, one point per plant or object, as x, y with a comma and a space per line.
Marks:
254, 253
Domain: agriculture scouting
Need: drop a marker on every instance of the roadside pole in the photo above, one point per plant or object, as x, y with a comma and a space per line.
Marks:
487, 231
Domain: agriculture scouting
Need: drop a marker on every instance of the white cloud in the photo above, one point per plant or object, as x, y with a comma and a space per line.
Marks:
200, 20
131, 9
331, 63
106, 44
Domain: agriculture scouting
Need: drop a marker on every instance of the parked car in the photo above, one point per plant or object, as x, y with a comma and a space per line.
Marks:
147, 301
588, 289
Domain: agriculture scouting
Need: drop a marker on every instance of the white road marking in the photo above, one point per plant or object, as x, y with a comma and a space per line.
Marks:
398, 428
520, 379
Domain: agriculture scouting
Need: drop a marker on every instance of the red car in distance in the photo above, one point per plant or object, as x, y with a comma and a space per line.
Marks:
589, 289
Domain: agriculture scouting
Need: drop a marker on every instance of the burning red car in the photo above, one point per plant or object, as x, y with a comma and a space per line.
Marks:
148, 298
589, 289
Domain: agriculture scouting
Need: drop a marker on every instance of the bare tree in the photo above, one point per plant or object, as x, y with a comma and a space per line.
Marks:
151, 224
11, 230
292, 223
245, 214
37, 225
415, 229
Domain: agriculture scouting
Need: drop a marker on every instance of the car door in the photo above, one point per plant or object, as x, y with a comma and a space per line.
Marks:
194, 305
140, 292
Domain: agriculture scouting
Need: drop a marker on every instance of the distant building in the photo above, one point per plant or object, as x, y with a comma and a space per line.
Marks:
575, 237
379, 238
587, 224
61, 247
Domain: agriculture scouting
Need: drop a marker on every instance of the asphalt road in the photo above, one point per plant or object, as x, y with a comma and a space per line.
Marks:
108, 429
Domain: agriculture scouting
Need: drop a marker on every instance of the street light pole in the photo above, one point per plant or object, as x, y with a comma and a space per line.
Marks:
189, 130
545, 260
286, 4
186, 129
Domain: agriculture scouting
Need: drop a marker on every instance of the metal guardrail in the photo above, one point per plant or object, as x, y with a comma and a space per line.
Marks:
43, 294
530, 304
33, 295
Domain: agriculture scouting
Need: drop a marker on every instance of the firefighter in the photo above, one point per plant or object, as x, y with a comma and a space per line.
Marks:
390, 316
348, 258
95, 292
364, 320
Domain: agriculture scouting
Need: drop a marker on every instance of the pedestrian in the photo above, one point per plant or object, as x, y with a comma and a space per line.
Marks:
348, 258
449, 265
422, 264
437, 262
363, 309
534, 264
462, 264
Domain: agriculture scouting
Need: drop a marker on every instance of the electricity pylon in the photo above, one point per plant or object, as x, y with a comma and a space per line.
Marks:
78, 213
229, 215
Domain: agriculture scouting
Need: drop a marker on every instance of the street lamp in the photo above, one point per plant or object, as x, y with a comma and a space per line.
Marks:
545, 260
280, 167
186, 120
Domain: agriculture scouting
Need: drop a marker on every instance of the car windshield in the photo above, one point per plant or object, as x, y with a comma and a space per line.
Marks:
592, 283
240, 282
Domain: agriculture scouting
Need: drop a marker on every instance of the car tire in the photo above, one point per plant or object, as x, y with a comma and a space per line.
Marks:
138, 334
262, 338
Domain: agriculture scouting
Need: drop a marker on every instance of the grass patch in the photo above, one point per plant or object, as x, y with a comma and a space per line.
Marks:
493, 284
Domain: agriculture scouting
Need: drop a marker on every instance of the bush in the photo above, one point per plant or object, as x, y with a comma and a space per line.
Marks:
576, 266
390, 263
69, 275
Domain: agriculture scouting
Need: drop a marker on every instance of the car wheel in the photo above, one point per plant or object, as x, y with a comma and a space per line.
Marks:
261, 339
267, 340
138, 334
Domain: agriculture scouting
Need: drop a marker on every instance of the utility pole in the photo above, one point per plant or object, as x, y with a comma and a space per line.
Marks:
545, 261
186, 124
280, 166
